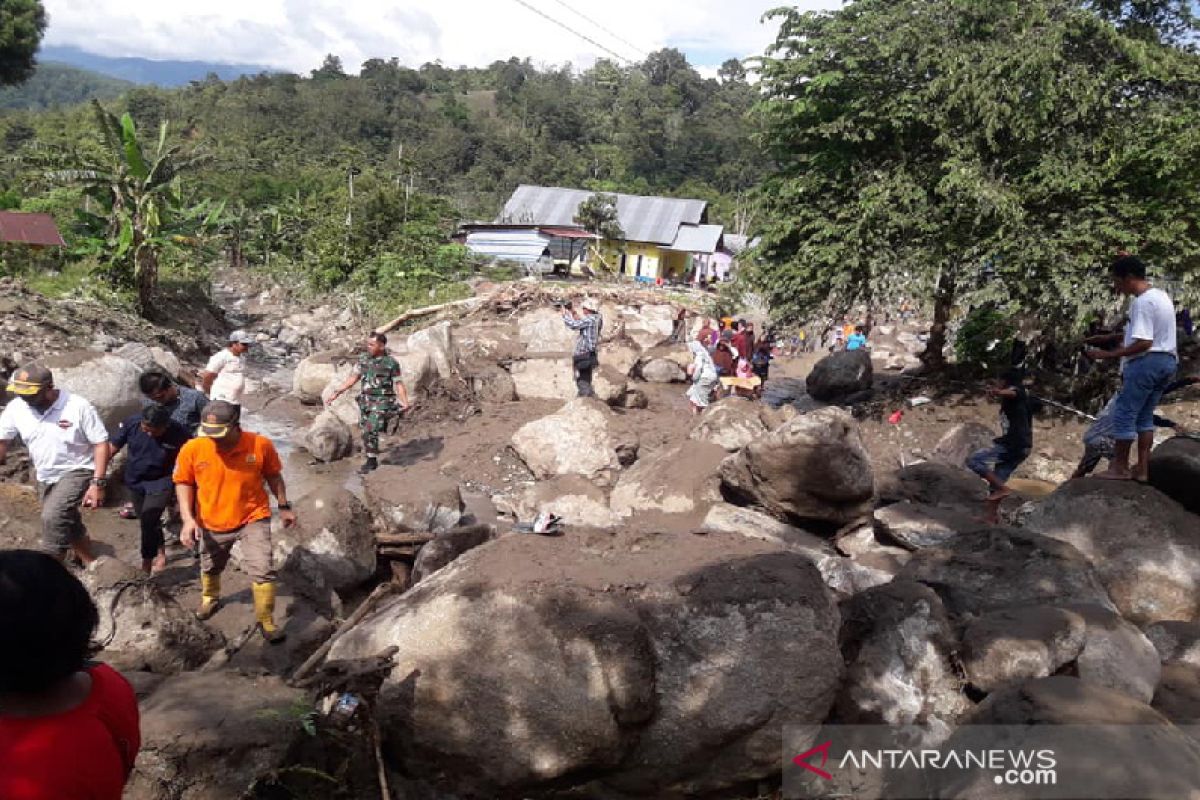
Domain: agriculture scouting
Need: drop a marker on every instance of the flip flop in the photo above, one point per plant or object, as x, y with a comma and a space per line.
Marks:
127, 512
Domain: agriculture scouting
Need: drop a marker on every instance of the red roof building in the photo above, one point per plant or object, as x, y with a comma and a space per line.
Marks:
17, 227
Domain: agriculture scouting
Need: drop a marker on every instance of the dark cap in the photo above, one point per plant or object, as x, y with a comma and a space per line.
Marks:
156, 416
29, 380
217, 418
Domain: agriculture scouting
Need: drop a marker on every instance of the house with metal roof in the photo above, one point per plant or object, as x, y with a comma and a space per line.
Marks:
665, 237
37, 230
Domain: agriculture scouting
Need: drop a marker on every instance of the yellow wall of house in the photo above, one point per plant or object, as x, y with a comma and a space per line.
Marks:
653, 258
676, 264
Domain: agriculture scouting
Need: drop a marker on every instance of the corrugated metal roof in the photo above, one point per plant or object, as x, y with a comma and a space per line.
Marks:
522, 246
698, 239
24, 228
643, 219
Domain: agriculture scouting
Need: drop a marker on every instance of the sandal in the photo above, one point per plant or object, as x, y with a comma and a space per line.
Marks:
127, 512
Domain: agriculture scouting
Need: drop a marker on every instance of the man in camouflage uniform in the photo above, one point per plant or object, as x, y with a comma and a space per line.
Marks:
381, 387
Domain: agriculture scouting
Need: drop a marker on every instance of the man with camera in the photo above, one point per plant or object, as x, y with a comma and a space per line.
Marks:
588, 325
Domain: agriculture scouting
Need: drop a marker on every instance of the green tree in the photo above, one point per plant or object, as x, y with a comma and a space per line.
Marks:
22, 23
140, 213
973, 151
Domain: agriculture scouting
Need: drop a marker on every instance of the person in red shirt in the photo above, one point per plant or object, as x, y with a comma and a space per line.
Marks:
68, 727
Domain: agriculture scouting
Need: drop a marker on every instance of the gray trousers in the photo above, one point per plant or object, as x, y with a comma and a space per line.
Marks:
257, 561
62, 524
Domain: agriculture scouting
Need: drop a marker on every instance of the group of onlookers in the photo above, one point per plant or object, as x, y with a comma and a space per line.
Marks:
727, 359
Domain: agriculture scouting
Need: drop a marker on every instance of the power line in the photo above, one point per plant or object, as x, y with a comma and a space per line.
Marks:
571, 30
619, 38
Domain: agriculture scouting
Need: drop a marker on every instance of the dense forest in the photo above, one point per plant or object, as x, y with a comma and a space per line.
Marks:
423, 147
54, 85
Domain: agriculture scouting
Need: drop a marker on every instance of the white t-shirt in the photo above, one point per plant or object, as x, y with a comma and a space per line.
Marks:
1152, 319
231, 376
60, 440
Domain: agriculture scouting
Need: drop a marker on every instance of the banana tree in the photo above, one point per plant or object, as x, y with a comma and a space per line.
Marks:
134, 210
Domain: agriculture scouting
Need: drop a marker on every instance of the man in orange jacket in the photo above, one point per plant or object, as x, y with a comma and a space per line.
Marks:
219, 479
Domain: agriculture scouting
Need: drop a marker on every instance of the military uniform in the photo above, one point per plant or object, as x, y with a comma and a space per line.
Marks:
377, 402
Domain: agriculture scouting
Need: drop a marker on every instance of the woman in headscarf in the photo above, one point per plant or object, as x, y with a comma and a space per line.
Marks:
704, 377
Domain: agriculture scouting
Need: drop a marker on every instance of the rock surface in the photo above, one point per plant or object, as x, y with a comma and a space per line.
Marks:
677, 480
1008, 647
1116, 654
575, 440
315, 372
898, 645
1176, 642
447, 546
732, 423
812, 468
961, 441
329, 439
1144, 546
148, 629
332, 545
662, 370
840, 375
436, 342
574, 498
108, 382
397, 505
531, 659
933, 484
916, 525
1175, 471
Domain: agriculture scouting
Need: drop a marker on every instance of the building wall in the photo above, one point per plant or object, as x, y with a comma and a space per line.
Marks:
651, 258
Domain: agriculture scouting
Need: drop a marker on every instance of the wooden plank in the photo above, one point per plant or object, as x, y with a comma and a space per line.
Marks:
403, 538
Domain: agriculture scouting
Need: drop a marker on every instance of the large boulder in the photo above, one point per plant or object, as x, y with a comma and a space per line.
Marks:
398, 505
328, 438
843, 576
578, 439
447, 546
332, 545
553, 378
1129, 749
207, 736
574, 498
900, 662
916, 525
812, 468
108, 382
648, 326
1144, 546
958, 443
491, 383
933, 484
436, 342
676, 480
148, 358
665, 668
1008, 647
997, 568
141, 626
1175, 471
317, 371
1176, 642
1116, 654
620, 355
543, 331
417, 373
731, 423
662, 370
839, 375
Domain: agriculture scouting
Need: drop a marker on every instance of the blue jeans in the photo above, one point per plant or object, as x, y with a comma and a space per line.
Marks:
1006, 460
1142, 387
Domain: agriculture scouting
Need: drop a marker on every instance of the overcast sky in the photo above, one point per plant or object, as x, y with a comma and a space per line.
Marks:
296, 34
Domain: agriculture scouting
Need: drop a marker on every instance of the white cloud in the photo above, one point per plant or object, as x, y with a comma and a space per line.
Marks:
296, 34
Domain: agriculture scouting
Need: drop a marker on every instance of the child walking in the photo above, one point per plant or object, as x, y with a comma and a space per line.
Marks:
997, 463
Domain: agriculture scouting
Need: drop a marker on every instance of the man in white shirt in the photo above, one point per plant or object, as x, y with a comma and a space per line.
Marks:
224, 376
1149, 353
69, 446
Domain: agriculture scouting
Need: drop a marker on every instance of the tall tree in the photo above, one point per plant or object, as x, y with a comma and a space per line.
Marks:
22, 23
598, 216
973, 150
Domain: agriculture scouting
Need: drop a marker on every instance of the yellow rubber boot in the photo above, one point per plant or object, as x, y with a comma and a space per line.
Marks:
210, 595
264, 612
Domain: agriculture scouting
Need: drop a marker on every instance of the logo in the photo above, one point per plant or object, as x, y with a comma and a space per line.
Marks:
802, 760
64, 424
252, 459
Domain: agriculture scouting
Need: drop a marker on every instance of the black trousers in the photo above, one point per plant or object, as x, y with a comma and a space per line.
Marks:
150, 508
584, 364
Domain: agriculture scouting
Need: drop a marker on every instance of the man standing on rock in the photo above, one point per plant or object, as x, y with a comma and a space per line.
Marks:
381, 387
584, 359
224, 376
1149, 354
69, 446
219, 479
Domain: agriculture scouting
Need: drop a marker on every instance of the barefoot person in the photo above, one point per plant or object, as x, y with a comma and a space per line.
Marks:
219, 479
1150, 360
997, 463
703, 373
68, 726
69, 446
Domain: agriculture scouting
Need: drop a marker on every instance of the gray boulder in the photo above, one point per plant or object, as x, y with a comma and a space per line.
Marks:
1175, 471
1144, 546
332, 545
1176, 642
574, 498
1008, 647
447, 546
812, 468
840, 375
916, 525
663, 370
531, 661
731, 423
148, 358
1116, 654
958, 443
143, 627
677, 480
397, 505
899, 648
329, 439
997, 568
578, 439
317, 371
108, 382
933, 484
437, 342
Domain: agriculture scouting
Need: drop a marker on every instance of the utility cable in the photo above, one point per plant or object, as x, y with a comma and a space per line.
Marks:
618, 37
571, 30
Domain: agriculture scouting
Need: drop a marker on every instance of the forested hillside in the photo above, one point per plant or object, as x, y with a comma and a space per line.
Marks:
55, 84
427, 147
